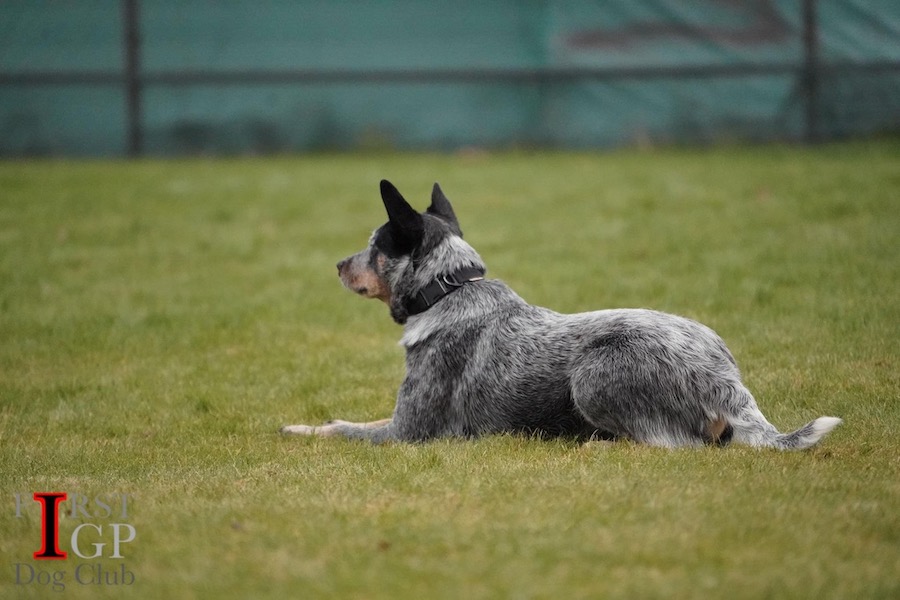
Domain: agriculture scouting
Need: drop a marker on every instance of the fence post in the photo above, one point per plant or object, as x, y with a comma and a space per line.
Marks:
132, 41
811, 71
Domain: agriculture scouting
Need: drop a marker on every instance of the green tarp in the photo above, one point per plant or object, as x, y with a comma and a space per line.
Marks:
429, 75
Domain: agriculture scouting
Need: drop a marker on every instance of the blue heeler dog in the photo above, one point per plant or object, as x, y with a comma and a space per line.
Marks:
480, 360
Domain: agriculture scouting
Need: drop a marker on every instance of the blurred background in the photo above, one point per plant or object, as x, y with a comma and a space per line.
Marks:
229, 77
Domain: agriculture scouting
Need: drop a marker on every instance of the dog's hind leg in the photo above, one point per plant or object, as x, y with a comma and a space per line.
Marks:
627, 412
619, 391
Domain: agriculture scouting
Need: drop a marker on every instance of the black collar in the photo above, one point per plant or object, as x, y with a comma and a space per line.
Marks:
440, 287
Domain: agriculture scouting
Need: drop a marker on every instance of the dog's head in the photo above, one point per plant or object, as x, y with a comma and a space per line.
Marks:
408, 253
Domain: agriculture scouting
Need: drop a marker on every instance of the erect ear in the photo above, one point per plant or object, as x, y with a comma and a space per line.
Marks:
405, 223
440, 207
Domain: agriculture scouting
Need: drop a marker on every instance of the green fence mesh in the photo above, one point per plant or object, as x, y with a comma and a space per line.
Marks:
263, 76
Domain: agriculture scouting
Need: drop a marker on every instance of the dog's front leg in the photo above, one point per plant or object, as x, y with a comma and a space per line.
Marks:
421, 414
376, 431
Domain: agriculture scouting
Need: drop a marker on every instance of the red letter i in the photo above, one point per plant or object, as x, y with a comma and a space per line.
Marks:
50, 525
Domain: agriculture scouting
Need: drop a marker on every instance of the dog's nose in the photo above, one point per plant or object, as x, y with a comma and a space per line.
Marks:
341, 265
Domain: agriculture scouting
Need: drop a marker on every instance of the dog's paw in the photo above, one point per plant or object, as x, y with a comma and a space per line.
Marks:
297, 430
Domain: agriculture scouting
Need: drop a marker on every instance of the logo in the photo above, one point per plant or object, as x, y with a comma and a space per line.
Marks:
102, 535
50, 526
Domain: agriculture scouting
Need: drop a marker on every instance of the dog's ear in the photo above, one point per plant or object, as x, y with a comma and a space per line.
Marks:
406, 224
440, 207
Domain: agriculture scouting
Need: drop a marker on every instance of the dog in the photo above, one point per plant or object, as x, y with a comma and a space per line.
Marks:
480, 360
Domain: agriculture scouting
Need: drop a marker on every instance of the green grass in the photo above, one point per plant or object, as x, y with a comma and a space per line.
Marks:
159, 320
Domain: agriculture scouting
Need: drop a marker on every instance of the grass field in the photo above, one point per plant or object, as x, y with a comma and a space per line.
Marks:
161, 319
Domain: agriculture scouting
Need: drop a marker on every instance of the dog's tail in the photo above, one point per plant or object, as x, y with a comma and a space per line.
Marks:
750, 427
805, 437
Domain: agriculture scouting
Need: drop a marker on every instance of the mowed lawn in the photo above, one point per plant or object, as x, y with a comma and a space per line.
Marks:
160, 319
